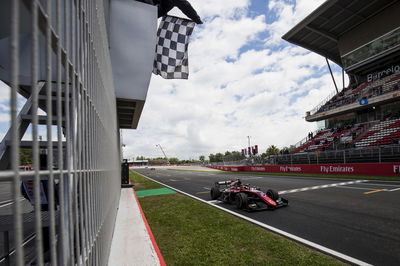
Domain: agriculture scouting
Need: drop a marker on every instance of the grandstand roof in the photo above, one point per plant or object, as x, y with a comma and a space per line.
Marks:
320, 31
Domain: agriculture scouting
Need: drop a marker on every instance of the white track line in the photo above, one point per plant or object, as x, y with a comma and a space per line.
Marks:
361, 188
320, 187
273, 229
251, 178
370, 188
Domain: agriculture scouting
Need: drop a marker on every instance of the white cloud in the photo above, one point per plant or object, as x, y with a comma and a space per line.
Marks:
4, 92
222, 38
4, 117
289, 13
210, 8
234, 89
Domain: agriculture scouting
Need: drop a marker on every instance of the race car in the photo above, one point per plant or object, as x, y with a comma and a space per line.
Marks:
249, 198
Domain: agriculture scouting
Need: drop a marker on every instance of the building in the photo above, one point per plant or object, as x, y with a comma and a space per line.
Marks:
364, 39
139, 163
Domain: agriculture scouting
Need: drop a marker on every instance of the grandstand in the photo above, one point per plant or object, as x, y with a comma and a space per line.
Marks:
364, 40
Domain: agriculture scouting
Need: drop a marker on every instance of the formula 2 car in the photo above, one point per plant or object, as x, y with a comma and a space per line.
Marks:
249, 198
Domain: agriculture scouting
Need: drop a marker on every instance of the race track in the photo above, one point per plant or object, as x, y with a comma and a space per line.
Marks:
360, 219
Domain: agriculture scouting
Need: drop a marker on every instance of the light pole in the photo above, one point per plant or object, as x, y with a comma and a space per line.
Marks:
249, 150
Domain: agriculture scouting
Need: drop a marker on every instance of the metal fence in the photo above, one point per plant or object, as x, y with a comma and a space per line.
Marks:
377, 154
60, 210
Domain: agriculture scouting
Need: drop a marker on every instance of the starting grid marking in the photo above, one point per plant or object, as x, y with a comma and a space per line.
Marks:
380, 190
321, 187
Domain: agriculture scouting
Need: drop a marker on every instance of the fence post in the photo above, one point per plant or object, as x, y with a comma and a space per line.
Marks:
379, 151
344, 156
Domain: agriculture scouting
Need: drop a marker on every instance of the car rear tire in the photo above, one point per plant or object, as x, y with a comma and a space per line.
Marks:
215, 193
241, 200
272, 194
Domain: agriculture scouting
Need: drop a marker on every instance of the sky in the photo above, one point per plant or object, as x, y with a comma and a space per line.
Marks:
244, 80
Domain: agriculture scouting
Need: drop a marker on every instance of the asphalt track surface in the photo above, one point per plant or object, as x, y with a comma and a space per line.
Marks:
359, 219
6, 209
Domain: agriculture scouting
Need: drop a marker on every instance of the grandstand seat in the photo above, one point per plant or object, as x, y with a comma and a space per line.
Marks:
382, 133
366, 90
321, 140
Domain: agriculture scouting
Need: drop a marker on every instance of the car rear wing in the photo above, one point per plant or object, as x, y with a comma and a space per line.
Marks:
228, 182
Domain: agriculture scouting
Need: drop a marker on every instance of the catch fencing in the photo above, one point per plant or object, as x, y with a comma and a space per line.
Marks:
375, 154
61, 209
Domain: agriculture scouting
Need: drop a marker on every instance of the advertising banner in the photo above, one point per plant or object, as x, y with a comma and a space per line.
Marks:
368, 169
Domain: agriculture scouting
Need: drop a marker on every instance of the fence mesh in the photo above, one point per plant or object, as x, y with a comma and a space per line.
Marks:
61, 208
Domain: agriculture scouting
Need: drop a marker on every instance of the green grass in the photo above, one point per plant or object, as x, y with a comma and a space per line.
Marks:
142, 183
189, 232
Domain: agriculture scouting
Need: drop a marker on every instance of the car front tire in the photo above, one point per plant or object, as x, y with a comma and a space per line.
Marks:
272, 194
215, 193
241, 200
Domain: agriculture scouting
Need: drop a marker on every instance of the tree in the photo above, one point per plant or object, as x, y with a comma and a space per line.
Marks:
25, 156
233, 156
202, 158
218, 157
236, 156
211, 158
287, 150
292, 148
158, 161
272, 150
173, 160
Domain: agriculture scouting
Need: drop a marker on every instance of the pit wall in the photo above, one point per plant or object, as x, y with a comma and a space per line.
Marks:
368, 169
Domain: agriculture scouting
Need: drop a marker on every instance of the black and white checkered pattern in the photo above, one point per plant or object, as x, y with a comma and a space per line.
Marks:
171, 60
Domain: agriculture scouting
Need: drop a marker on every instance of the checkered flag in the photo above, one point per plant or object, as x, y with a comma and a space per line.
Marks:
171, 60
